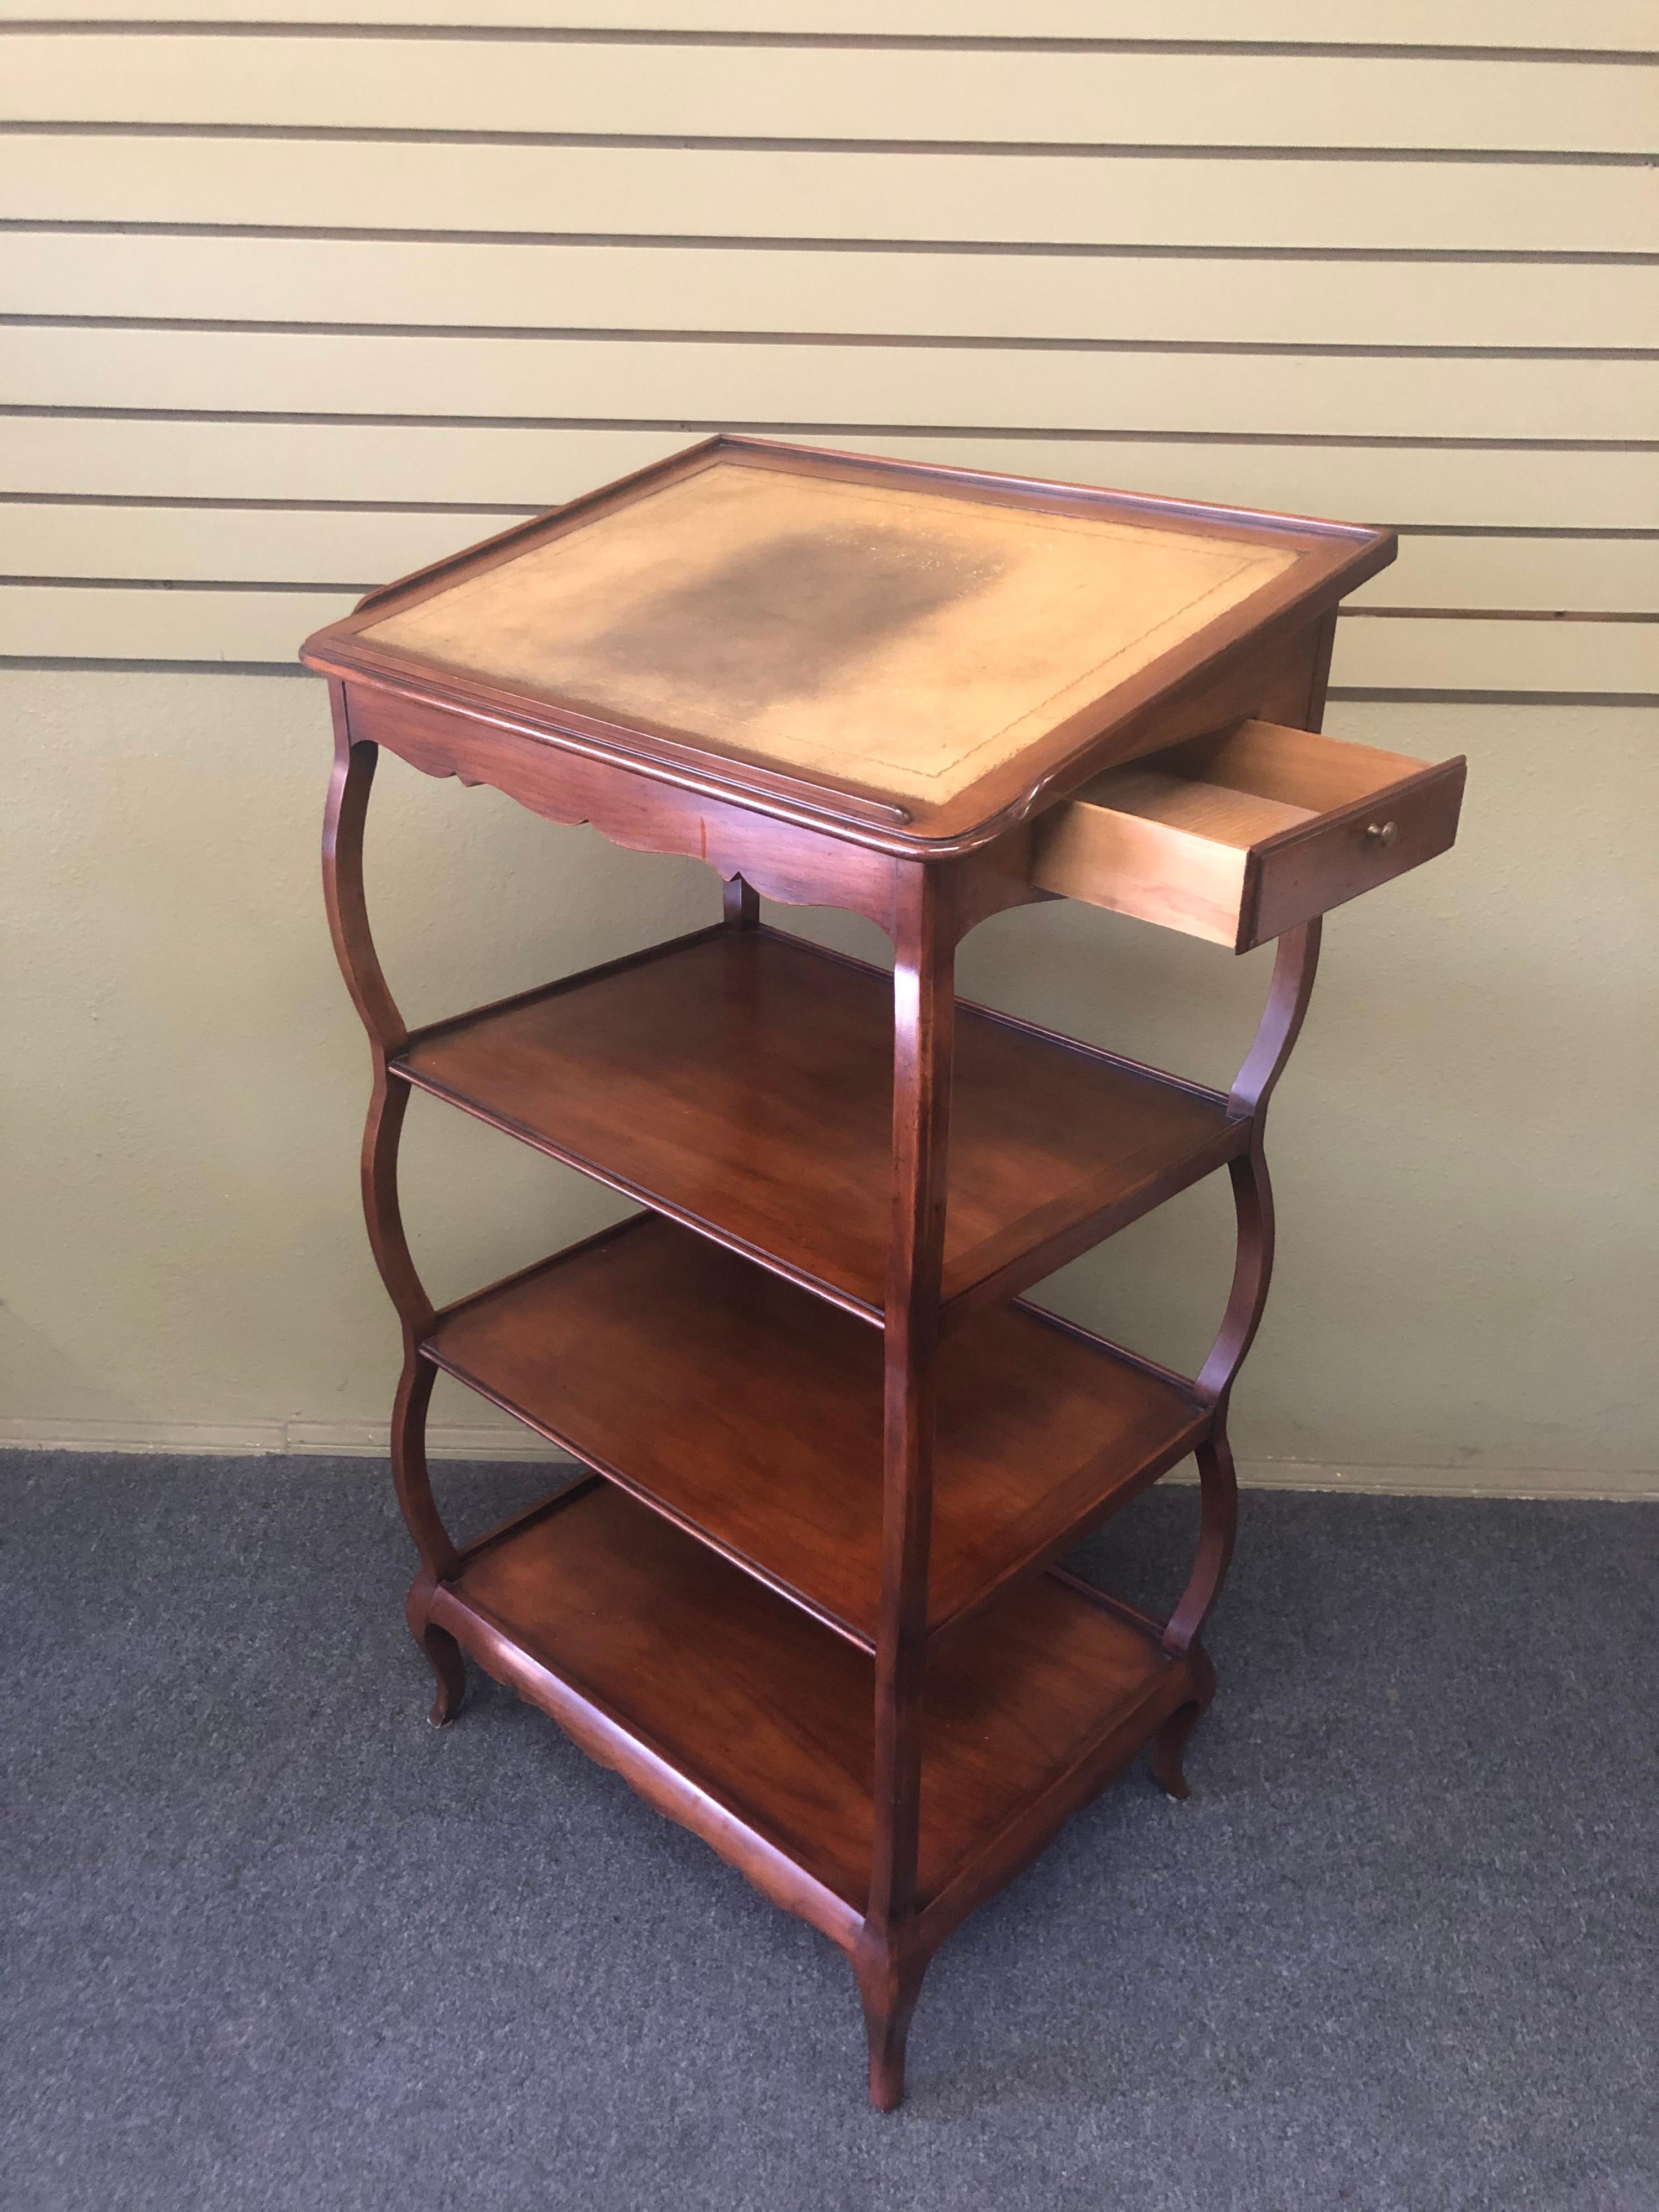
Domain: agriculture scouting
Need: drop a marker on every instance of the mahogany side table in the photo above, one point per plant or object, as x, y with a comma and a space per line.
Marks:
805, 1598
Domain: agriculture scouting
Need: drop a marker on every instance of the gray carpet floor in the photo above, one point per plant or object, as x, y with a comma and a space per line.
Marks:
273, 1945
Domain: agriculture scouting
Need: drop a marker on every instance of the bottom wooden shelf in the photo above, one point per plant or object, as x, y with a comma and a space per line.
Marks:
750, 1723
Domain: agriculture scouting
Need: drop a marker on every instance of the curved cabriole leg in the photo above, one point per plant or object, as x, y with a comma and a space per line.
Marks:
890, 1980
410, 1474
1294, 969
382, 1136
1246, 1300
342, 887
1168, 1748
343, 882
1295, 966
444, 1655
1169, 1744
1217, 1531
420, 1512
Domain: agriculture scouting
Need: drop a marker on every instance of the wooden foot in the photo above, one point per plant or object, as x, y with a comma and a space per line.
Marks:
444, 1656
450, 1668
1167, 1747
1169, 1744
889, 1983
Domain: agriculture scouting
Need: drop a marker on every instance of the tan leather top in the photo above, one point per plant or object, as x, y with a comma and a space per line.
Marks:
903, 638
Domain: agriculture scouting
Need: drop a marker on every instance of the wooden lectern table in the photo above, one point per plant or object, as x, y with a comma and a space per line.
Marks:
805, 1600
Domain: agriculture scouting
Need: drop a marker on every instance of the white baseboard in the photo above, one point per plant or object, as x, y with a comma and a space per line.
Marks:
1447, 1481
367, 1440
334, 1439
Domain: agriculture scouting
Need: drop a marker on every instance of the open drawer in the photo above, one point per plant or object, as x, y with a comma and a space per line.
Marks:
1242, 834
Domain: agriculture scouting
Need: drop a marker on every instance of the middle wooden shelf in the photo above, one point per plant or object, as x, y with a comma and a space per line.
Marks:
742, 1082
750, 1413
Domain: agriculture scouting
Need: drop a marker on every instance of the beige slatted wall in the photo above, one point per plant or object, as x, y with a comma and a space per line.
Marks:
290, 308
287, 308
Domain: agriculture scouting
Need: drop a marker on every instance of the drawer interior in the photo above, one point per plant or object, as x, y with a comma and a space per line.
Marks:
1246, 827
1247, 784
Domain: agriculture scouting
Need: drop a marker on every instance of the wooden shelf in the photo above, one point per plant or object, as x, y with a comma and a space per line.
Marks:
742, 1082
750, 1412
752, 1724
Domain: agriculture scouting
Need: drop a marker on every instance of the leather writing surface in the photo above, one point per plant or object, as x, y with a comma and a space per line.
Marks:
896, 637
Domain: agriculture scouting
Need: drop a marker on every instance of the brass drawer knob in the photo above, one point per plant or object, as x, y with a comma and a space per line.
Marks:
1381, 835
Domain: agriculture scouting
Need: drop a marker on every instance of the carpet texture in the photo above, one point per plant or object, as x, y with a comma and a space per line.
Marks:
273, 1945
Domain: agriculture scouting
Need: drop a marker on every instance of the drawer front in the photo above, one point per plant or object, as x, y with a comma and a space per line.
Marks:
1242, 835
1336, 857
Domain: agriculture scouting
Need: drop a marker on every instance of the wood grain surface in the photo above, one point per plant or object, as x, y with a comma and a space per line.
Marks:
752, 1411
745, 1085
770, 1714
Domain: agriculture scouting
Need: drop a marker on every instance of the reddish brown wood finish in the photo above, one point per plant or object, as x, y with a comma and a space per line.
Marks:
751, 1414
1295, 965
781, 860
888, 1891
767, 1717
740, 904
348, 915
741, 1081
810, 1613
890, 1959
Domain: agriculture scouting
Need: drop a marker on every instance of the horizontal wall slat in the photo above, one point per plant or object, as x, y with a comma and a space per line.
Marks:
661, 191
1617, 658
1627, 24
927, 387
1609, 575
242, 545
756, 92
948, 295
44, 622
219, 545
467, 465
